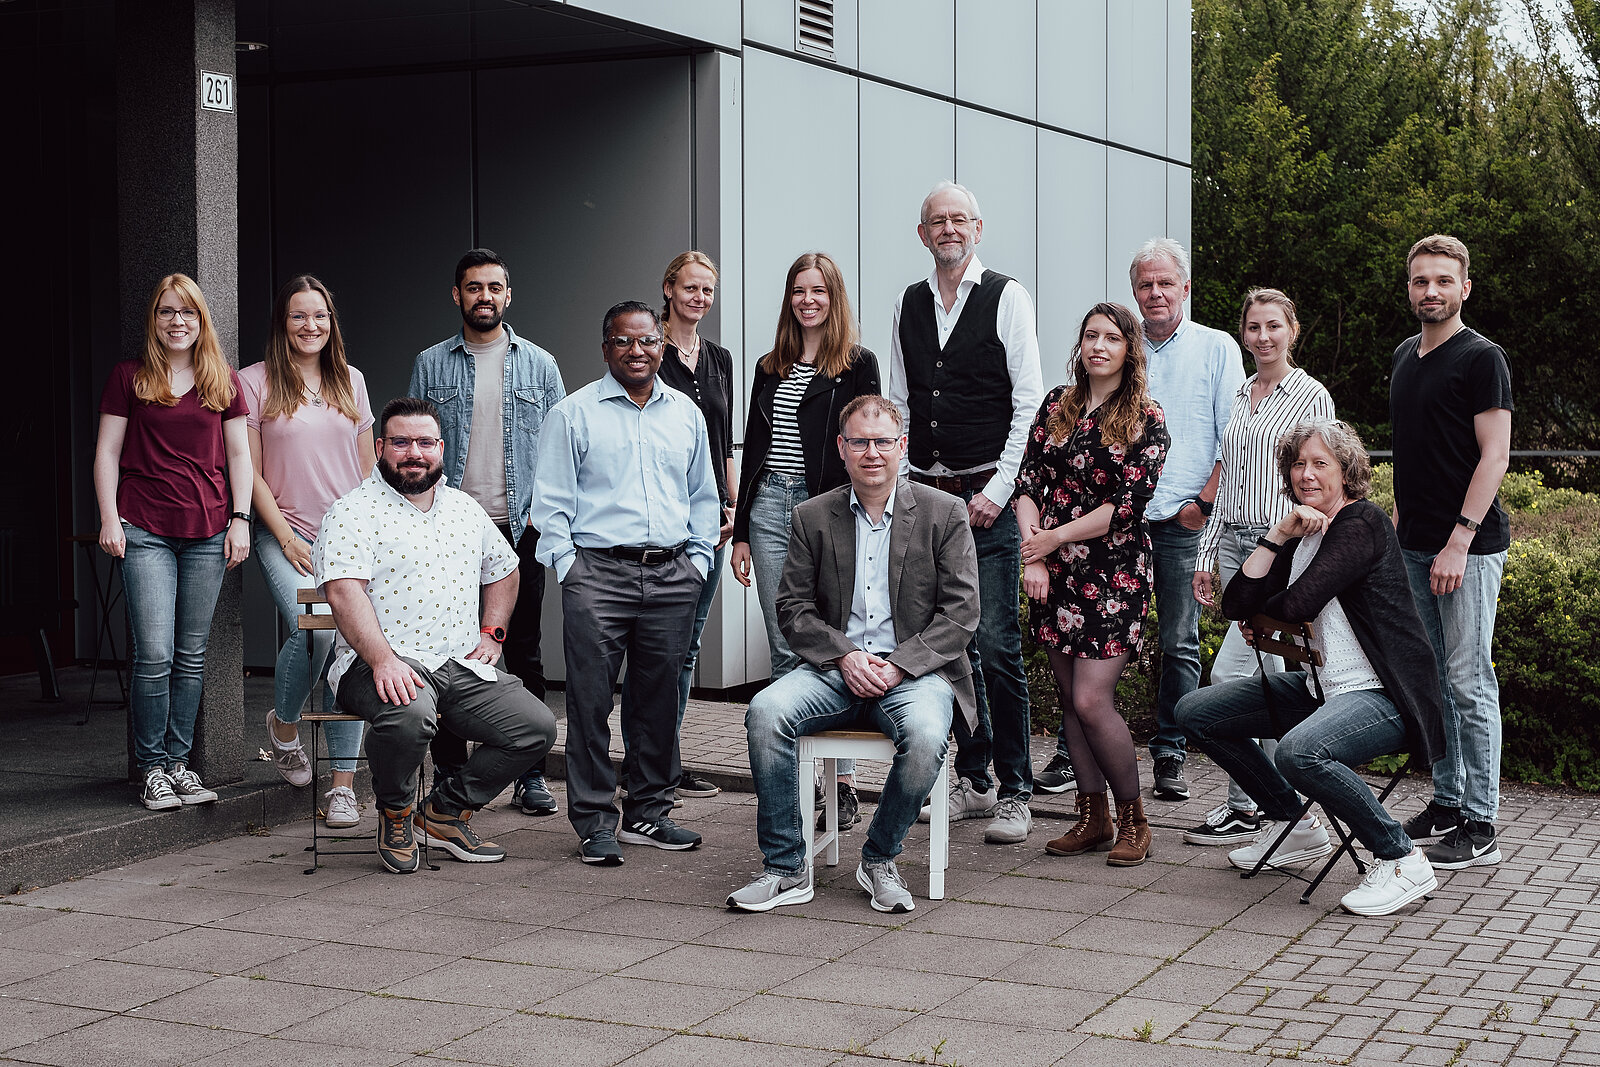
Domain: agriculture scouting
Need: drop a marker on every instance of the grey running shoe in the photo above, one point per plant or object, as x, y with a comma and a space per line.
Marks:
772, 891
662, 833
965, 802
1057, 776
601, 848
883, 883
1012, 821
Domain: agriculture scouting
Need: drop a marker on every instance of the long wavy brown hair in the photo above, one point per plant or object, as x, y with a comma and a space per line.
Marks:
285, 388
839, 333
1125, 410
213, 383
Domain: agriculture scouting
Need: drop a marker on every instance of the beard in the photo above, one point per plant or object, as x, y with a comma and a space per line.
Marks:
1446, 310
469, 315
409, 480
949, 256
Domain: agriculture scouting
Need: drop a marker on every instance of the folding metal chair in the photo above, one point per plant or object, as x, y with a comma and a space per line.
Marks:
309, 622
1293, 644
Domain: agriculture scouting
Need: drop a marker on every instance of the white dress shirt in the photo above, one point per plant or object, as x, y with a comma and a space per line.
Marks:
871, 624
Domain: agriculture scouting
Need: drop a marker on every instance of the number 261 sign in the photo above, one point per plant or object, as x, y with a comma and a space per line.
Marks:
216, 91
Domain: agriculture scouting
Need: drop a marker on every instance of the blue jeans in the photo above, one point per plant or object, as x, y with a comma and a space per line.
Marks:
914, 714
171, 584
1175, 551
998, 675
1236, 659
1460, 627
702, 611
291, 676
1316, 749
776, 497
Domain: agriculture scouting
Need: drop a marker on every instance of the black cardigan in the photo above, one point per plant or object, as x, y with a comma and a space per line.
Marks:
818, 416
1360, 564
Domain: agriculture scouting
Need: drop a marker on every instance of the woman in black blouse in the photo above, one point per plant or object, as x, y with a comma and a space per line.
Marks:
1333, 561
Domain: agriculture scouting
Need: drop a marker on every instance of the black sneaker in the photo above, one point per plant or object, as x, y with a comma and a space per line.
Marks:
692, 785
1435, 820
1225, 825
662, 833
534, 795
1057, 776
849, 809
1170, 783
601, 848
396, 847
1471, 844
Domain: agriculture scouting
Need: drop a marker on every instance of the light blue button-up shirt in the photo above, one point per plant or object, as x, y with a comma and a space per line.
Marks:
612, 473
1193, 375
871, 624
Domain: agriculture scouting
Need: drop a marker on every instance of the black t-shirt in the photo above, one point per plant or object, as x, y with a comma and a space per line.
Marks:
1432, 402
710, 386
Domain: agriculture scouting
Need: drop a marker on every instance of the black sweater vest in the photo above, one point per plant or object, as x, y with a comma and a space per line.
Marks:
959, 396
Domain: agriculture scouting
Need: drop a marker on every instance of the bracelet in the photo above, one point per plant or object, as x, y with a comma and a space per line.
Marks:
1206, 506
1270, 546
240, 515
1462, 520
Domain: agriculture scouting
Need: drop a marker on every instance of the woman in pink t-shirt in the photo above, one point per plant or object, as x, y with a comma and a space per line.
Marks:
310, 431
172, 478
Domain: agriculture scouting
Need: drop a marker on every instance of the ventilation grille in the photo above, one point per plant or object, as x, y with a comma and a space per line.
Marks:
813, 27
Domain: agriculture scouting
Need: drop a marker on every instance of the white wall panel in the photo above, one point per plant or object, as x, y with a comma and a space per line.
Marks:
714, 21
1136, 210
907, 144
1072, 65
910, 41
997, 159
1179, 107
1136, 47
995, 54
1072, 244
1179, 215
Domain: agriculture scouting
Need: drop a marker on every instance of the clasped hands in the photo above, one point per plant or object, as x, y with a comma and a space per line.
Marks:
869, 676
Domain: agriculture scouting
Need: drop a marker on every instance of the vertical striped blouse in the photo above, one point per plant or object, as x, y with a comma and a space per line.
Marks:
1251, 490
786, 455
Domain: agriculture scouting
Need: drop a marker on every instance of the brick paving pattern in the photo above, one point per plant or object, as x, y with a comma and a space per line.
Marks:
227, 955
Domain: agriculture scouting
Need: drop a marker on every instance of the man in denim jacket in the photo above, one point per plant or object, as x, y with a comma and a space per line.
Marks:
490, 450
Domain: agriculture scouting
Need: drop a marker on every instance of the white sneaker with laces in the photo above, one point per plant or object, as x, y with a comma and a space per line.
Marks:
965, 802
289, 757
342, 810
1390, 885
157, 794
1306, 842
1012, 821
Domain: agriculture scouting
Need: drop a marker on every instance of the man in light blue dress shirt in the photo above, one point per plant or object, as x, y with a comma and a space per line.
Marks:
628, 514
1194, 373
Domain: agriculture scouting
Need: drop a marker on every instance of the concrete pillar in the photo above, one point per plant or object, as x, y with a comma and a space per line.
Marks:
177, 204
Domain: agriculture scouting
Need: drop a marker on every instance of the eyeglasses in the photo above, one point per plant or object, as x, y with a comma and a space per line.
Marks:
882, 444
424, 444
937, 222
299, 318
622, 344
186, 314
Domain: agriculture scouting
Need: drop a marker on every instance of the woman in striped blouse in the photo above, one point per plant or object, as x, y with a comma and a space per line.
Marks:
1250, 499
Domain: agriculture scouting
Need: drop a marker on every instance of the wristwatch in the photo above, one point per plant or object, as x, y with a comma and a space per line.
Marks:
496, 632
1462, 520
1205, 506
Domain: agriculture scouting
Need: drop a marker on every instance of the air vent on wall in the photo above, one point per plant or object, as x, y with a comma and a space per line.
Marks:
813, 27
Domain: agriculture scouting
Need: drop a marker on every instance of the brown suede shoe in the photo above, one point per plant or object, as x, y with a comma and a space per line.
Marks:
1134, 843
1095, 830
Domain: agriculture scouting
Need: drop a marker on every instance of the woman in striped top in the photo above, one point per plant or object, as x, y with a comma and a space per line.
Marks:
815, 368
1250, 499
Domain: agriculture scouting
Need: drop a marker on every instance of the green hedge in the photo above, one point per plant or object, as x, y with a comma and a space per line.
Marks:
1546, 642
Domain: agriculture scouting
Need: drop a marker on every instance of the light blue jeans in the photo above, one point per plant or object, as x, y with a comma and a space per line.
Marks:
291, 677
1460, 626
1236, 659
914, 714
171, 585
770, 526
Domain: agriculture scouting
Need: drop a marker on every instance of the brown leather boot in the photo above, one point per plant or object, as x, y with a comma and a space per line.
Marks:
1095, 830
1134, 843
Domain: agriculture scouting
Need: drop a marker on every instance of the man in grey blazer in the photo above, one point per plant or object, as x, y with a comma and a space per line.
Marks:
879, 599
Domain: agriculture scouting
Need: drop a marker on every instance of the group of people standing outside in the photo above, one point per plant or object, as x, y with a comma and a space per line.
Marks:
884, 522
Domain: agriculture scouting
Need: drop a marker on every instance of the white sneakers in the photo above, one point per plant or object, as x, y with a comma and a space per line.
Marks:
965, 802
1306, 842
1390, 885
342, 811
290, 758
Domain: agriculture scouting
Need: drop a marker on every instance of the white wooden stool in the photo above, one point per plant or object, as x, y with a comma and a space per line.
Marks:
830, 746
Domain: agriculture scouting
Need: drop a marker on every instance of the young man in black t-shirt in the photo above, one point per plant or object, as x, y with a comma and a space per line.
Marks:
1450, 405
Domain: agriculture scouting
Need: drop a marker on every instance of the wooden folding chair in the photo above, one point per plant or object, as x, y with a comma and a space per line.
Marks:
1293, 644
309, 622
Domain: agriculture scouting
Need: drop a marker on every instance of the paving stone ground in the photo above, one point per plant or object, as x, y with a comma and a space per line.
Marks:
227, 955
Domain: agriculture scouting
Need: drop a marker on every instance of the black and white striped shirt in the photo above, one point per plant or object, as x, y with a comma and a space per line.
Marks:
786, 455
1251, 490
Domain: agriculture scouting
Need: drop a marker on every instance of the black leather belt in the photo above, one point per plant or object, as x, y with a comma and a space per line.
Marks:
649, 555
956, 483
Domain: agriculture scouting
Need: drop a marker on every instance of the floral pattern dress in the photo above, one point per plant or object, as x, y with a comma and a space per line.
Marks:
1099, 589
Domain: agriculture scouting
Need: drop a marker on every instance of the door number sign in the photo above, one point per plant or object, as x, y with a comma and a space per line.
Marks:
216, 91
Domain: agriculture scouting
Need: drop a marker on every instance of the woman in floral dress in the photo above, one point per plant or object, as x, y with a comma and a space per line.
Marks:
1092, 461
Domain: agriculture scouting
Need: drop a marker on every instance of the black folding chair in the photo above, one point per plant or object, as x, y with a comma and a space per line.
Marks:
1293, 645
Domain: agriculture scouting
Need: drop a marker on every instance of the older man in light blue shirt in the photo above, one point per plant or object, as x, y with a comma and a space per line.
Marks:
1194, 372
628, 514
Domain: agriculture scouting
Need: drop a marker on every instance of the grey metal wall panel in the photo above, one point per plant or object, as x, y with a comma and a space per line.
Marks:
911, 42
1072, 244
713, 21
998, 160
1180, 217
995, 54
1180, 17
1072, 65
1136, 210
1136, 48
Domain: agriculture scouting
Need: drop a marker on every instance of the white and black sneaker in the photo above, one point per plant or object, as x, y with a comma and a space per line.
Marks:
1435, 820
158, 794
188, 786
1057, 776
1472, 844
662, 833
1225, 825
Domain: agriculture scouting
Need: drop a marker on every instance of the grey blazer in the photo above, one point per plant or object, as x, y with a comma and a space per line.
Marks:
933, 585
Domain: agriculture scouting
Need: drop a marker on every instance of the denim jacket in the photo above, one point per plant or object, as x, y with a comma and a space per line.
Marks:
531, 386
